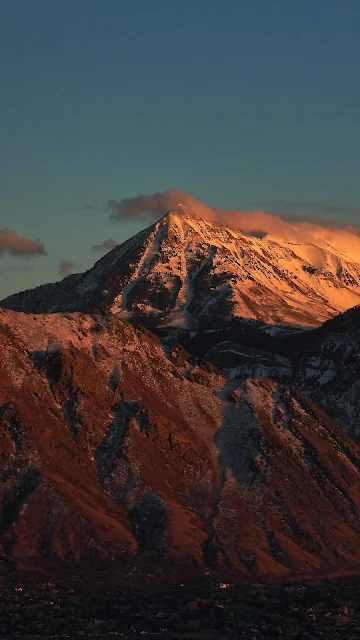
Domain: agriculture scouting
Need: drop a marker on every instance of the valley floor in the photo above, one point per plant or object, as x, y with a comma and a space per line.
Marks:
52, 610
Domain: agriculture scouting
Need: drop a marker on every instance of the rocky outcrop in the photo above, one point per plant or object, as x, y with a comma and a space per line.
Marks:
120, 453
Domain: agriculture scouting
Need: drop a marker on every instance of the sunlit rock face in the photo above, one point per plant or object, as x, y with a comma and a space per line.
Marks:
223, 446
119, 454
186, 272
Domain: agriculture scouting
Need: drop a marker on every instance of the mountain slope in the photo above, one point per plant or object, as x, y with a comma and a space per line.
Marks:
323, 362
186, 272
328, 369
116, 453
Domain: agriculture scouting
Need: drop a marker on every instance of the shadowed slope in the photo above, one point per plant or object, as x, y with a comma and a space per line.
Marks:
113, 452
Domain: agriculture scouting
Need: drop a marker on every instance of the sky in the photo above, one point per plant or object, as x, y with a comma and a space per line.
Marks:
245, 104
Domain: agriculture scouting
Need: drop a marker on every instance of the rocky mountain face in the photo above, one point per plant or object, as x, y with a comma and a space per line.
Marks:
327, 367
323, 363
224, 442
186, 272
121, 452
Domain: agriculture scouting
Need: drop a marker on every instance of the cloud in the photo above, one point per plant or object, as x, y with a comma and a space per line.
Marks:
290, 227
66, 267
152, 206
257, 222
319, 208
355, 231
15, 245
105, 246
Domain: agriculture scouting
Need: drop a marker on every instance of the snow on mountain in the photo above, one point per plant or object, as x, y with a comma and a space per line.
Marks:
117, 455
324, 362
187, 272
328, 368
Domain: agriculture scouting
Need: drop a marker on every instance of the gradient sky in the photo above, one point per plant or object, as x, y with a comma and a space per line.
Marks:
242, 103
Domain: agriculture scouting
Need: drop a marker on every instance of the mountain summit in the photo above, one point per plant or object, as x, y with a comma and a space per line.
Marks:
187, 272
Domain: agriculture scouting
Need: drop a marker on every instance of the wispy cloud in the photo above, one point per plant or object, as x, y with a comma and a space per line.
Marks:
317, 208
14, 245
304, 227
66, 268
150, 206
258, 221
105, 246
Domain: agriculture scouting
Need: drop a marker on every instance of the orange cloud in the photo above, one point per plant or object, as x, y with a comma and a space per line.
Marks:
15, 245
297, 228
105, 246
66, 268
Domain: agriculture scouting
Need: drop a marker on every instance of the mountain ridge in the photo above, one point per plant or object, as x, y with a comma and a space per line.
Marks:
186, 272
119, 452
223, 446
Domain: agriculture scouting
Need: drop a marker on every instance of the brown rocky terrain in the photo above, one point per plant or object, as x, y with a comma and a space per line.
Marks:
118, 453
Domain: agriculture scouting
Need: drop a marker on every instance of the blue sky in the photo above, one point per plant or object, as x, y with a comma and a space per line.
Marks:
243, 103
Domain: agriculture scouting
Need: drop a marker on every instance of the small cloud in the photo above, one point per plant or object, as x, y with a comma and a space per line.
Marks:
66, 268
354, 230
105, 246
148, 206
15, 245
89, 207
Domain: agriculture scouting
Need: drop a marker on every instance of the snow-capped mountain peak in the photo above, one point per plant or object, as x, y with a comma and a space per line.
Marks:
189, 272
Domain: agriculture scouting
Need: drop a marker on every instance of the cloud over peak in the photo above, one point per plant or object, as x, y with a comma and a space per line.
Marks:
66, 268
13, 244
152, 206
105, 246
283, 226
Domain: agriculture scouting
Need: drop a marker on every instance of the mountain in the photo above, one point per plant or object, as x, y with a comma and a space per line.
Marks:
322, 362
120, 454
328, 369
227, 445
187, 272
